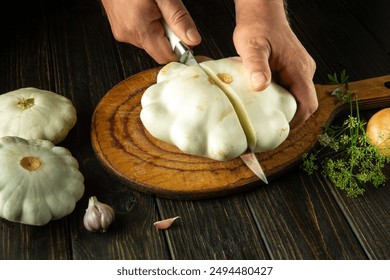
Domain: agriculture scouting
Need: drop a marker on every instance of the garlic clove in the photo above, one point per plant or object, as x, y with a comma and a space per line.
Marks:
98, 216
164, 224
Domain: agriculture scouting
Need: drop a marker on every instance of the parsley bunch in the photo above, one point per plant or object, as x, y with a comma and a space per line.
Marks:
345, 155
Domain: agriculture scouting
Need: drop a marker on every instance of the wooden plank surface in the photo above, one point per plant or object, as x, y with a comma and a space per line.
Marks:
67, 46
212, 229
86, 34
355, 43
24, 63
365, 214
300, 220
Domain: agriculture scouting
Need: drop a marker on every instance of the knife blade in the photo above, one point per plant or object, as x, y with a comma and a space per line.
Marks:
181, 50
186, 56
251, 161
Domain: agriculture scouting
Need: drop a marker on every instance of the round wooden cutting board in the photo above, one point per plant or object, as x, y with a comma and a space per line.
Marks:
128, 152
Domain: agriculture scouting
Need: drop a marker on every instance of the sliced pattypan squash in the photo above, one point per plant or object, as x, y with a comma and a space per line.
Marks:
211, 111
185, 108
39, 182
33, 113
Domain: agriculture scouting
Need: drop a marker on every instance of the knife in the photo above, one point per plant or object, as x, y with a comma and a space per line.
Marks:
186, 57
181, 50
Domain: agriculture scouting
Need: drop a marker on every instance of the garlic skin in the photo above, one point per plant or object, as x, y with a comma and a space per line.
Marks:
164, 224
98, 216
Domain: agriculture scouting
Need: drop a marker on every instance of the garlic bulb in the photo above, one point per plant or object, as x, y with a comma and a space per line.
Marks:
98, 216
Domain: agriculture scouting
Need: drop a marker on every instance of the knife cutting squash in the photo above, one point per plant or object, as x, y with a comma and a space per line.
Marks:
215, 115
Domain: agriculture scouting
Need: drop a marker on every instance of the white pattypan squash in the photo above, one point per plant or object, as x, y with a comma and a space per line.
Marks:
33, 113
39, 182
185, 108
216, 115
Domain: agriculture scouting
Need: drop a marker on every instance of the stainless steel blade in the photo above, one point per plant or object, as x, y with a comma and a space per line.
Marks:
181, 50
188, 58
251, 161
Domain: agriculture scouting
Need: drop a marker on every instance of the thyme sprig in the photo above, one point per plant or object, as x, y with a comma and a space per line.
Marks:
345, 154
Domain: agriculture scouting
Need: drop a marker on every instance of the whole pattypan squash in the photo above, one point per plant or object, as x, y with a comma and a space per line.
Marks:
211, 111
39, 182
33, 113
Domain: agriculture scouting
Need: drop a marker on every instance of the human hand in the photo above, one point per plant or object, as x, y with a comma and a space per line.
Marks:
138, 22
266, 44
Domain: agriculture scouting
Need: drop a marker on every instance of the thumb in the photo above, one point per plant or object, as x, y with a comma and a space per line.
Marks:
179, 20
255, 58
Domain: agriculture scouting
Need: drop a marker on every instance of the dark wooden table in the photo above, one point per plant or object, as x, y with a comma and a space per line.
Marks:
68, 47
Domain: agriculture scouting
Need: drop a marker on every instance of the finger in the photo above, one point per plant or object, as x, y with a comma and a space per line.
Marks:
180, 21
157, 45
255, 58
306, 97
298, 79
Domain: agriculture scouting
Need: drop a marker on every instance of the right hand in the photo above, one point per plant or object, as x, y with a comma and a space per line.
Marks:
138, 22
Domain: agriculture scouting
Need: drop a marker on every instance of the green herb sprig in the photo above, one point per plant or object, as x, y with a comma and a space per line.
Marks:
345, 154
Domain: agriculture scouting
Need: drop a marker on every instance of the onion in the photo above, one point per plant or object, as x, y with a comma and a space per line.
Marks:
378, 130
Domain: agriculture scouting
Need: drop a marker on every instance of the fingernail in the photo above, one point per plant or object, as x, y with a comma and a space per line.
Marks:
193, 35
258, 80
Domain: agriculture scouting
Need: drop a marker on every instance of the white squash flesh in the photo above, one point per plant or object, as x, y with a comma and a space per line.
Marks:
39, 182
32, 113
215, 115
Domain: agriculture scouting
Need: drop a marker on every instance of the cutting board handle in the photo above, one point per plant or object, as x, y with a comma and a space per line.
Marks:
372, 93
